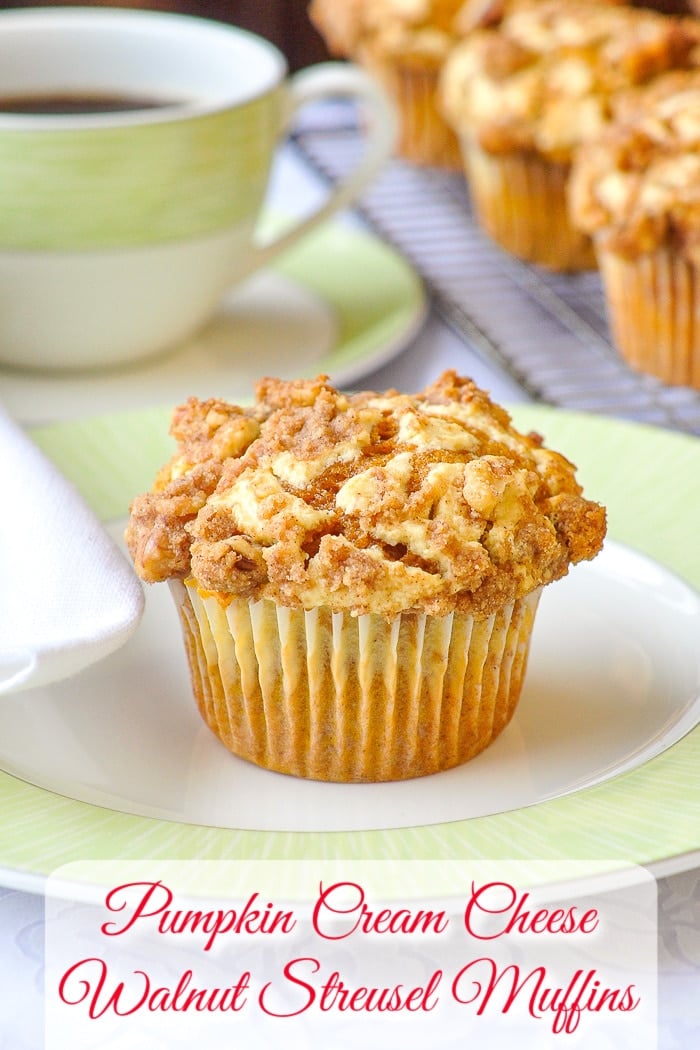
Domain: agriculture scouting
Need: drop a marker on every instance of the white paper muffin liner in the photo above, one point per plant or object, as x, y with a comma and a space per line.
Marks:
520, 200
426, 137
653, 304
334, 697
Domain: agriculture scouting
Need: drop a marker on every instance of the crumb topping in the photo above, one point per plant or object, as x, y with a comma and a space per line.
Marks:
544, 78
423, 30
369, 502
639, 187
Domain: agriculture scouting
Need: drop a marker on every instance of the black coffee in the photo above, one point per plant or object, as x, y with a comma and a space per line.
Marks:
67, 104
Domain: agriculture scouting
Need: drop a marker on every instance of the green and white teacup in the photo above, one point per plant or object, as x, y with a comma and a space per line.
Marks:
121, 228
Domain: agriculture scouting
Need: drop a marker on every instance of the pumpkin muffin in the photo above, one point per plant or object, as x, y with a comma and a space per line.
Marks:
524, 95
404, 43
357, 575
637, 193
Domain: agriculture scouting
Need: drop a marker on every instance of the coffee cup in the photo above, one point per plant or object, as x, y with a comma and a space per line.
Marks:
135, 151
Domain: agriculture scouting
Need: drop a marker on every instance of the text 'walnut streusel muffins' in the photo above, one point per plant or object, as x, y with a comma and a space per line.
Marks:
637, 193
523, 96
357, 575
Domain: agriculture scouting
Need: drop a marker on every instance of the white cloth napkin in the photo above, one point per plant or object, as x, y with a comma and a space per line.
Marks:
68, 596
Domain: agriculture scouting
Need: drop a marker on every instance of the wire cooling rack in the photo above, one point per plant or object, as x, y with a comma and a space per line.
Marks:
547, 331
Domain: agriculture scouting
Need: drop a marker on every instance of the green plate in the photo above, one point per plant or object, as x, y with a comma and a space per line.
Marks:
648, 479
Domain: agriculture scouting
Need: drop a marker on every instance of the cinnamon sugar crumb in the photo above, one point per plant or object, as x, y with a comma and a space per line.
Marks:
369, 502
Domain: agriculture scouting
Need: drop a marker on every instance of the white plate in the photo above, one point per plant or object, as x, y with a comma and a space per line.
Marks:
614, 679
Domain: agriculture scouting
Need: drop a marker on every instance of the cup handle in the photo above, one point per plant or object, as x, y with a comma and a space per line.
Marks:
333, 80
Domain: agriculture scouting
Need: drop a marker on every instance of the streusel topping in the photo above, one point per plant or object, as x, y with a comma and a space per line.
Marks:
639, 186
423, 30
369, 502
543, 79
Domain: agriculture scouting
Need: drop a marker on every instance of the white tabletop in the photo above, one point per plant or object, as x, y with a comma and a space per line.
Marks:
435, 348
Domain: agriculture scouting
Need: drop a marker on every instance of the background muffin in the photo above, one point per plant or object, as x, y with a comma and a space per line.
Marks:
357, 576
524, 95
637, 193
404, 43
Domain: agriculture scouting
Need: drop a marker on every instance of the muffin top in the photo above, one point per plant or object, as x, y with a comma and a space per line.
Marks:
420, 30
544, 78
638, 187
380, 503
478, 14
339, 22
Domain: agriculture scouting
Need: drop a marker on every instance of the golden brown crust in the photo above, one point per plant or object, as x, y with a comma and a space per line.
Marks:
372, 502
638, 188
417, 32
544, 79
480, 14
420, 29
339, 23
208, 433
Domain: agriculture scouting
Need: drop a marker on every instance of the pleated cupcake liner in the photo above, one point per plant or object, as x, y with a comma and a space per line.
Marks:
520, 200
653, 304
335, 697
426, 137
